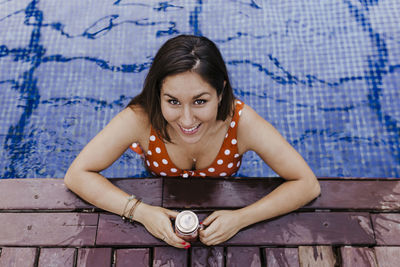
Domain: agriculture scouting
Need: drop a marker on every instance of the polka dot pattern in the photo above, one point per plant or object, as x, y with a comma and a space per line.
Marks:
226, 163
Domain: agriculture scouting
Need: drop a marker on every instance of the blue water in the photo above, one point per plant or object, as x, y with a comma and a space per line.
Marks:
326, 74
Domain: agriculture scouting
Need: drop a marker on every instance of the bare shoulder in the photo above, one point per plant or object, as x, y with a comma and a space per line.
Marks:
134, 113
111, 142
253, 129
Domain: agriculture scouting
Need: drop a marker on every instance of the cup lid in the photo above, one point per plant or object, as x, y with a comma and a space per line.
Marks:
187, 221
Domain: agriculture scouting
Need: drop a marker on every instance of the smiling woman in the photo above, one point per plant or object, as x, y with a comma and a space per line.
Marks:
187, 122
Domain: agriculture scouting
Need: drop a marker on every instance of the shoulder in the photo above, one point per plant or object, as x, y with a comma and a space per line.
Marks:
253, 129
133, 120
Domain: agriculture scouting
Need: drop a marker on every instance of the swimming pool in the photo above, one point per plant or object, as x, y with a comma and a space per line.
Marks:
326, 74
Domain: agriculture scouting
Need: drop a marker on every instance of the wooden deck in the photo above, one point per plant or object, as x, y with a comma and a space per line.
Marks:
355, 222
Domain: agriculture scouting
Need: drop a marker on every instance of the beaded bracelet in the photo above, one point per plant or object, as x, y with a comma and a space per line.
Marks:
129, 199
132, 210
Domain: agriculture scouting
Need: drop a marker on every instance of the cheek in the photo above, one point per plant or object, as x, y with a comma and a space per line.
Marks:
208, 114
169, 114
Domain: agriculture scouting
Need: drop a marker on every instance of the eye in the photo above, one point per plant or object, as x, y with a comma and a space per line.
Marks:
173, 101
200, 101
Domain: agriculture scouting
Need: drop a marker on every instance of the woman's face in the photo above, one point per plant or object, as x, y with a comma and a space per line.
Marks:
189, 105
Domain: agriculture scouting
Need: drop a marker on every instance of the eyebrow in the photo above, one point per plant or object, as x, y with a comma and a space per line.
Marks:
196, 96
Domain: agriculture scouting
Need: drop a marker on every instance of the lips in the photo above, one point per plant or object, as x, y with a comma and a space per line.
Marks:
192, 130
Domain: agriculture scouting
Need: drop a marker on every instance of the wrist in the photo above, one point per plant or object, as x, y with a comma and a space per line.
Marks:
244, 218
140, 212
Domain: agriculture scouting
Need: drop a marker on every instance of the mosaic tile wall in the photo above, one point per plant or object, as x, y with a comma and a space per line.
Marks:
326, 74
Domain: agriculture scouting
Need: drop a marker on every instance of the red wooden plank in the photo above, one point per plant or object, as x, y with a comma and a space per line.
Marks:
387, 228
169, 256
308, 229
292, 229
207, 256
31, 194
383, 194
336, 194
132, 257
213, 192
18, 257
90, 257
62, 257
358, 257
387, 256
243, 256
47, 229
149, 189
321, 256
114, 231
34, 194
282, 257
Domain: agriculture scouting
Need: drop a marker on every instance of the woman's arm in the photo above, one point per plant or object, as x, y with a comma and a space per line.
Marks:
83, 176
301, 186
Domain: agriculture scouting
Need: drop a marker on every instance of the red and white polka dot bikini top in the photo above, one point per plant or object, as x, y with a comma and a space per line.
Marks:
225, 164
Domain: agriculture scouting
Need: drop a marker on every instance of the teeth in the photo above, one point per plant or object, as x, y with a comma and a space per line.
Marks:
191, 129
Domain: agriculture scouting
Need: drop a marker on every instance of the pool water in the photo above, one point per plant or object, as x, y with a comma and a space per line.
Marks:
326, 74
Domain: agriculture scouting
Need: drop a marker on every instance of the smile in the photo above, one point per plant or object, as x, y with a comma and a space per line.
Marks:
192, 130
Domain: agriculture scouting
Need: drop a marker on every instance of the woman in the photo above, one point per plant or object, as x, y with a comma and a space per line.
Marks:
187, 122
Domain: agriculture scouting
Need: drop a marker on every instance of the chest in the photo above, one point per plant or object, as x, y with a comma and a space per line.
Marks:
198, 156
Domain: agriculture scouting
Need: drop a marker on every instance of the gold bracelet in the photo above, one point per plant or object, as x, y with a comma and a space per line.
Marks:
132, 210
129, 199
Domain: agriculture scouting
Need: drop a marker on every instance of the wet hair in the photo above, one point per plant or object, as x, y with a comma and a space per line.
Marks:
178, 55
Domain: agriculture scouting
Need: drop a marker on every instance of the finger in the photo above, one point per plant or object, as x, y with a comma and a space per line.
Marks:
209, 239
174, 240
212, 228
210, 218
177, 242
172, 213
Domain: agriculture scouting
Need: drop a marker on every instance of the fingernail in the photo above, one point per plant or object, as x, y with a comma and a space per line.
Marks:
188, 246
201, 222
183, 243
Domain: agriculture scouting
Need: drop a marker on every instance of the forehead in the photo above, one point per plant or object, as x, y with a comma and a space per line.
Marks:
188, 83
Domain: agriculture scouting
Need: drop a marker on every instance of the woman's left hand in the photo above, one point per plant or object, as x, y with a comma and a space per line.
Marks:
220, 226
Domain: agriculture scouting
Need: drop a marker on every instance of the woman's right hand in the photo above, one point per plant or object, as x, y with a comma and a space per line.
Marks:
157, 221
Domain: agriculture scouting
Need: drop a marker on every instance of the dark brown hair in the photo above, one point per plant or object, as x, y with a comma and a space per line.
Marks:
180, 54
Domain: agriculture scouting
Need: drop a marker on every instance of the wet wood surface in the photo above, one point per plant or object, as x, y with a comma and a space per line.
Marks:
321, 256
282, 257
57, 257
358, 257
130, 257
387, 256
355, 222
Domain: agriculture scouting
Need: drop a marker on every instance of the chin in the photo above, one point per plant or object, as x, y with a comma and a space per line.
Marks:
191, 139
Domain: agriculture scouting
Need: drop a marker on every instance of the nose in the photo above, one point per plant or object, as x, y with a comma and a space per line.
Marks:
187, 117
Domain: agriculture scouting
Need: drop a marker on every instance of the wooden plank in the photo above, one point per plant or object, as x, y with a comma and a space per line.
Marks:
243, 256
18, 257
387, 256
303, 228
169, 256
213, 192
114, 231
282, 257
132, 257
34, 194
358, 257
324, 228
234, 193
321, 256
383, 195
149, 189
99, 257
207, 256
48, 229
62, 257
387, 228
